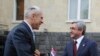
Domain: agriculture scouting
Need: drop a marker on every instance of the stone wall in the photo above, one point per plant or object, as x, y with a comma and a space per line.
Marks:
46, 40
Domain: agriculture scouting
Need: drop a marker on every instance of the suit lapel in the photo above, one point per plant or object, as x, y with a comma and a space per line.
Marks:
30, 35
82, 46
70, 49
29, 30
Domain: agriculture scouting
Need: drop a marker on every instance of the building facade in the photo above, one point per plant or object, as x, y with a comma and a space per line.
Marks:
58, 14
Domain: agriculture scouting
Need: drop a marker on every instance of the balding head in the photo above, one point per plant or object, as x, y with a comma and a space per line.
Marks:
34, 16
32, 10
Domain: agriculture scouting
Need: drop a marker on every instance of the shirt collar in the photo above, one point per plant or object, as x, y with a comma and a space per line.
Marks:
28, 25
79, 39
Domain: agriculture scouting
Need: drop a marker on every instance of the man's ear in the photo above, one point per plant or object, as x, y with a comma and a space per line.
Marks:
81, 31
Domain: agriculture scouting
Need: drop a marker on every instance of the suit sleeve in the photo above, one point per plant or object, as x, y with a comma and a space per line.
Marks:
21, 44
93, 49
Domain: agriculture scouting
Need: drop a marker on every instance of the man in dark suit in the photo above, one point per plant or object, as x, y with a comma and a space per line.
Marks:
20, 40
79, 44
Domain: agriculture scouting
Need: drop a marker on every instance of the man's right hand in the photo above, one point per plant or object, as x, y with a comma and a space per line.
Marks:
37, 53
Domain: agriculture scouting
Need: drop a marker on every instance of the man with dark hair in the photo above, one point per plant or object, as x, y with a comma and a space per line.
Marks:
20, 40
79, 44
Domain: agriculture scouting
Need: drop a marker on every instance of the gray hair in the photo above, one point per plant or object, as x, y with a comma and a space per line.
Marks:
28, 11
81, 26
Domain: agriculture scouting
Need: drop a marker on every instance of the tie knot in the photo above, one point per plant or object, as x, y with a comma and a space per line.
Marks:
75, 42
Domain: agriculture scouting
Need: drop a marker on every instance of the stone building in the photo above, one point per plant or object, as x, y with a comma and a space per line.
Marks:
58, 14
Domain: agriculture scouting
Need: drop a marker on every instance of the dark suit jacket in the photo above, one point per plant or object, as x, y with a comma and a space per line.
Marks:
87, 48
20, 41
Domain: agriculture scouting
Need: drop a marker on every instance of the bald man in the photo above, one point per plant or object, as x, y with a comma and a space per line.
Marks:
20, 40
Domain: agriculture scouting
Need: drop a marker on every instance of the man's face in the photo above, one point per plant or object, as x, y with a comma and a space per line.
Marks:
74, 32
37, 20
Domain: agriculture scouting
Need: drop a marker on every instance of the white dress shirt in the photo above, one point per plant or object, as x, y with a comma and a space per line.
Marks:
79, 40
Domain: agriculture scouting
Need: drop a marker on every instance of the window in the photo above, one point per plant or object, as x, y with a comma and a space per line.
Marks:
78, 9
19, 9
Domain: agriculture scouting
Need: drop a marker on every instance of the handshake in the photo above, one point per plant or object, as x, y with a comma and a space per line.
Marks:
37, 53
